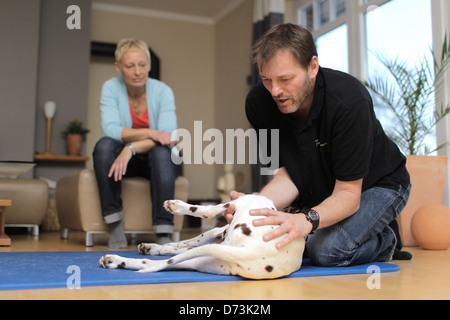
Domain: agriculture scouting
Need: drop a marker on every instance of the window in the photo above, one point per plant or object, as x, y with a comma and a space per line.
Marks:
339, 6
332, 49
349, 33
332, 46
321, 13
324, 11
407, 36
307, 17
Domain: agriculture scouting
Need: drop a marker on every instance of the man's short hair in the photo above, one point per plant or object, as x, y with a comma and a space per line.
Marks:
281, 37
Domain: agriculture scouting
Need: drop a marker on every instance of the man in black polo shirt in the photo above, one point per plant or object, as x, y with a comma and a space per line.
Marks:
336, 162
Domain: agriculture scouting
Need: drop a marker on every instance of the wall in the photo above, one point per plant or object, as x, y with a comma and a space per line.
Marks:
63, 66
18, 69
41, 59
233, 45
187, 56
206, 65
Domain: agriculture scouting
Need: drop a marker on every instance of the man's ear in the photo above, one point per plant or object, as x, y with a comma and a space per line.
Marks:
313, 67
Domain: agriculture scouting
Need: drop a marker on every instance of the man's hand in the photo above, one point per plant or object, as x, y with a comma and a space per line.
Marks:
291, 225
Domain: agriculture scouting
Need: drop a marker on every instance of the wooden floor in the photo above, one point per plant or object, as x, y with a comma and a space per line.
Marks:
427, 276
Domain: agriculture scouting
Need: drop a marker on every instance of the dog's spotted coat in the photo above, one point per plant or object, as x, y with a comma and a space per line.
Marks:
241, 251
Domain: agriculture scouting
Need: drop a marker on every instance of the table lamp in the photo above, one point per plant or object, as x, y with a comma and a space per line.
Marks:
49, 109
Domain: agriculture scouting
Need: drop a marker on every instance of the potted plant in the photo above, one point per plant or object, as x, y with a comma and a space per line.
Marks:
74, 134
409, 92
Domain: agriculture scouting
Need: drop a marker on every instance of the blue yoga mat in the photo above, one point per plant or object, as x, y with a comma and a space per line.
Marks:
33, 270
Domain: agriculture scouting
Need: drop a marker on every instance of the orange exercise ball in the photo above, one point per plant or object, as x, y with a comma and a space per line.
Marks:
430, 227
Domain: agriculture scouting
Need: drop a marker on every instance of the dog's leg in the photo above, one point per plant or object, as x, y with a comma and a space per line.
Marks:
210, 236
179, 207
113, 261
221, 252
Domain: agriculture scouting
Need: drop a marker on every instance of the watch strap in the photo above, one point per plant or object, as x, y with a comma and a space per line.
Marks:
133, 150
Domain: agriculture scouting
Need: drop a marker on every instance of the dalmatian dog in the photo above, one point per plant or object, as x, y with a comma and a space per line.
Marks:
235, 249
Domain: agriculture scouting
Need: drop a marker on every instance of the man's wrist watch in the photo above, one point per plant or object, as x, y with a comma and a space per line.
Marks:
313, 217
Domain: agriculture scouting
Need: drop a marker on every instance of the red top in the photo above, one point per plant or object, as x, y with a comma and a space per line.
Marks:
139, 122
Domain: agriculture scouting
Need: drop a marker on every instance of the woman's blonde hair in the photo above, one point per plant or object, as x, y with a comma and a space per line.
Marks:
131, 44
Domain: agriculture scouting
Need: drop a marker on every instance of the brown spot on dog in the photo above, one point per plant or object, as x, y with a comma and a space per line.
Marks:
170, 261
245, 230
144, 262
226, 205
269, 268
121, 266
193, 209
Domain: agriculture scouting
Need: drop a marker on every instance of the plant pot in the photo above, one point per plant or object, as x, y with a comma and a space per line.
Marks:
428, 180
73, 144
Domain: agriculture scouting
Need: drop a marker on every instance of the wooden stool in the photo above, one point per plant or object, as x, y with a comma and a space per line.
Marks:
4, 239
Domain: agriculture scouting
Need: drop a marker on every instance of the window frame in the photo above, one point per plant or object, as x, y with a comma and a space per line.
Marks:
354, 15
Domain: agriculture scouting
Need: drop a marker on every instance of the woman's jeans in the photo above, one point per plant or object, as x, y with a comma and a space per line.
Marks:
156, 165
365, 236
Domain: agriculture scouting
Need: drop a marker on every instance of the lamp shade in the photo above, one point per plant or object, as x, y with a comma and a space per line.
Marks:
49, 109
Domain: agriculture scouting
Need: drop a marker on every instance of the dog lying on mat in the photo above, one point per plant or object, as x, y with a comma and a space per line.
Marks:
242, 250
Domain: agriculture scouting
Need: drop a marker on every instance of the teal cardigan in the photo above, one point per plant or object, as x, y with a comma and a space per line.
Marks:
115, 110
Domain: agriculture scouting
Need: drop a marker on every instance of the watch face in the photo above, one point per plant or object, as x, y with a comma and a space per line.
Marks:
313, 215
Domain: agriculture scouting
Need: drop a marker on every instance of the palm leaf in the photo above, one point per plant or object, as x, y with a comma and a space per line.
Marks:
409, 92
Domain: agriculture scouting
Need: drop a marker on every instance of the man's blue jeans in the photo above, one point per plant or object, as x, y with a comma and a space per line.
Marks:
365, 236
156, 165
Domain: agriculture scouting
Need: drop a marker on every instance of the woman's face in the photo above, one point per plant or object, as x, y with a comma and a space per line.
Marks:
134, 66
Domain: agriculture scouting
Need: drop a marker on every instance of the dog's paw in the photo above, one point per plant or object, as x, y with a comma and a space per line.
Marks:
173, 206
149, 249
111, 261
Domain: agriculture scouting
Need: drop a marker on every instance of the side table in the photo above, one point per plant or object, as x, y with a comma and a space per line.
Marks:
5, 241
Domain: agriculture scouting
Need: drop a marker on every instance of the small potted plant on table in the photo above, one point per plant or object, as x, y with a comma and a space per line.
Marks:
74, 135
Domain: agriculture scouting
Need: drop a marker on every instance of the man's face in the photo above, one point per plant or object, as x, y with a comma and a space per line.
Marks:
290, 84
